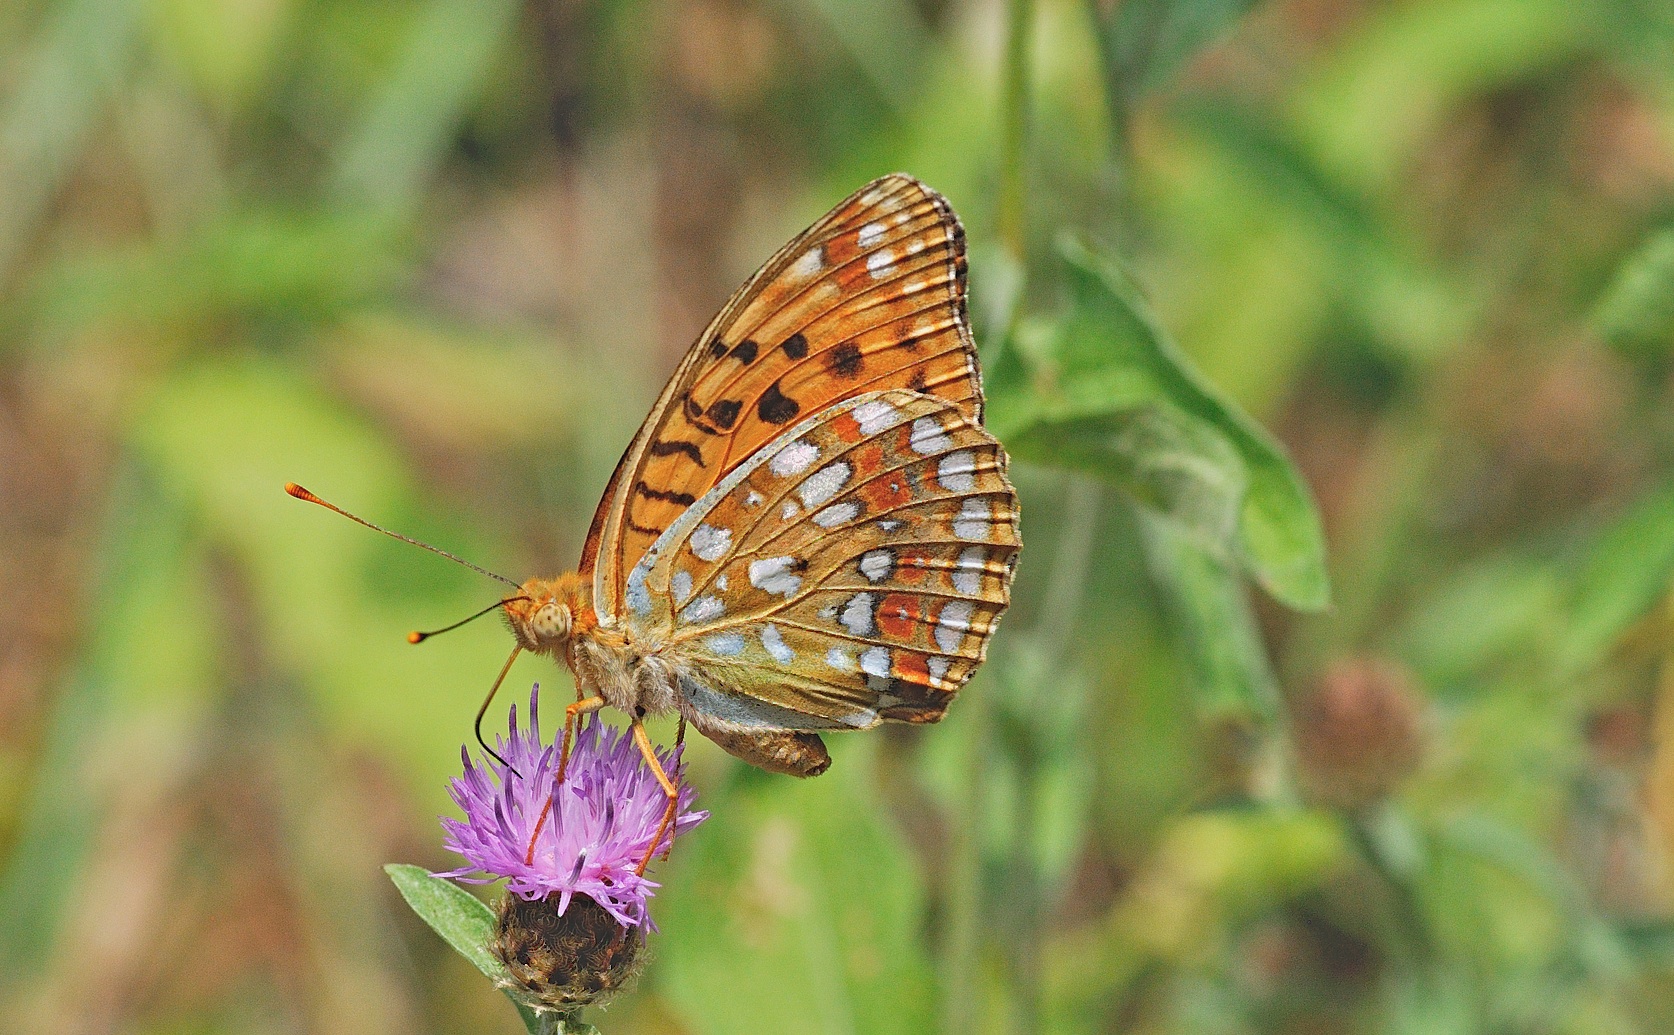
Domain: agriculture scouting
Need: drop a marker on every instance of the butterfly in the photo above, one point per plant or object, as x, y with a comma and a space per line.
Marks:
811, 531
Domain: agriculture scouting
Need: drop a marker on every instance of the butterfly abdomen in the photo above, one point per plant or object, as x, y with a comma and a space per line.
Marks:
794, 754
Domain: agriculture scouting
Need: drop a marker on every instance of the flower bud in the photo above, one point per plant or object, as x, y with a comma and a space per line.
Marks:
1359, 734
563, 962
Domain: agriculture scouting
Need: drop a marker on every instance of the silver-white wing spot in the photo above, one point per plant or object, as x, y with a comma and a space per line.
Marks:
957, 471
952, 625
710, 543
967, 578
794, 458
809, 263
856, 616
972, 520
874, 661
874, 416
776, 645
929, 437
842, 513
877, 564
824, 483
639, 594
775, 575
703, 609
726, 644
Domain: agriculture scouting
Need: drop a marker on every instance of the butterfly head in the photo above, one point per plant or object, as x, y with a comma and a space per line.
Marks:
546, 612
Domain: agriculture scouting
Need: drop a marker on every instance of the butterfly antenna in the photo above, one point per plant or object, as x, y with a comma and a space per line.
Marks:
486, 701
420, 637
303, 494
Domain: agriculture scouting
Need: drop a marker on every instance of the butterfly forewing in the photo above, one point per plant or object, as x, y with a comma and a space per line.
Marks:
871, 297
849, 571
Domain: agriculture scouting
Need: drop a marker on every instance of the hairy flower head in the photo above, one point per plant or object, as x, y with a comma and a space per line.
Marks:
600, 825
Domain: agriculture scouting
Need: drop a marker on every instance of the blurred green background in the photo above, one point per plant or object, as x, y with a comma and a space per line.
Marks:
433, 259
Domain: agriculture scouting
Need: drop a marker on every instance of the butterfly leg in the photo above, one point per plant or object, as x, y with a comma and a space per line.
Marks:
580, 707
679, 742
644, 741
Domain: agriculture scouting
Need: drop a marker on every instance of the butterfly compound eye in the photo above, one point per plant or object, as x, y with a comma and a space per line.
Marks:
550, 623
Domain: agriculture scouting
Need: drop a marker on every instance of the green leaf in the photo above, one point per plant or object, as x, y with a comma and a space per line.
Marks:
886, 40
1226, 660
1128, 407
403, 135
1391, 285
1561, 610
1636, 313
1169, 462
1389, 88
268, 262
462, 921
797, 908
227, 49
1597, 946
1143, 43
55, 101
1624, 573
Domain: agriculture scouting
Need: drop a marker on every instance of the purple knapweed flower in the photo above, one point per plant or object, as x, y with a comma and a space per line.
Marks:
602, 819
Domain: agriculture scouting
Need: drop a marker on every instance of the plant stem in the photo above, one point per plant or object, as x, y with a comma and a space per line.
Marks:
1411, 932
565, 1024
962, 943
1026, 889
967, 895
1026, 895
1070, 567
1014, 130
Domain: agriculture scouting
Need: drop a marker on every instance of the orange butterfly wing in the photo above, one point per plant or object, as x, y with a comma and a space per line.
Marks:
871, 297
851, 571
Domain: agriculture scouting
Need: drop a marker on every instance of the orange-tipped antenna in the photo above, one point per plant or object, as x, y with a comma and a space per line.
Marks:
420, 637
303, 494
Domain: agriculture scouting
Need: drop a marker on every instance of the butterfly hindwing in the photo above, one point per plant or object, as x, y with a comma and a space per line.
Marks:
850, 571
871, 297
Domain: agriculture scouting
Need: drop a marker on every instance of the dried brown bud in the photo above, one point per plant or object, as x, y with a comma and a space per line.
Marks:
561, 963
1359, 734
